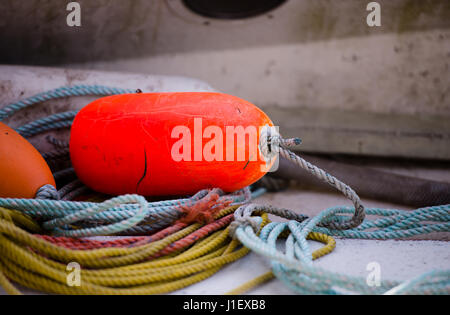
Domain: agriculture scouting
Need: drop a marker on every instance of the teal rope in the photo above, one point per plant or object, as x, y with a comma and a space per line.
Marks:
113, 228
28, 132
118, 215
60, 120
294, 266
78, 90
395, 224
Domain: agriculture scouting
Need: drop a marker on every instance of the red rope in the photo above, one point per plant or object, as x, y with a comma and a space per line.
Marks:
89, 244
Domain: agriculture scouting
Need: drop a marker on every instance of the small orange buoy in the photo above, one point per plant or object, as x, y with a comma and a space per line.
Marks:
168, 143
22, 168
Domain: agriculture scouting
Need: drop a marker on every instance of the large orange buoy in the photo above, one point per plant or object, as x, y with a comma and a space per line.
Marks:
23, 170
168, 143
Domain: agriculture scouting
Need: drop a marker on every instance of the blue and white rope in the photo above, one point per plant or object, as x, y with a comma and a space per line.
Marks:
294, 266
65, 91
118, 215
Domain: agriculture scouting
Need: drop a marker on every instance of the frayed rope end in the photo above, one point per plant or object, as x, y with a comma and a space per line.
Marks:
203, 210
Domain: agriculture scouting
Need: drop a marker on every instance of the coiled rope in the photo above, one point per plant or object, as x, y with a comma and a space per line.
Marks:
293, 267
114, 270
329, 242
125, 215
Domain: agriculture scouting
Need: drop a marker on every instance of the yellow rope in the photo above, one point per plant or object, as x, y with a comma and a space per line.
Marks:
110, 270
329, 242
252, 284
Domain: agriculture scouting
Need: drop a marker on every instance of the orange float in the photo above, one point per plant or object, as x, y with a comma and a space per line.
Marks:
23, 170
168, 143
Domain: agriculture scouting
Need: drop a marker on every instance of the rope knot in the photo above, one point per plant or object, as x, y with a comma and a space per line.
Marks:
47, 192
242, 217
269, 142
205, 209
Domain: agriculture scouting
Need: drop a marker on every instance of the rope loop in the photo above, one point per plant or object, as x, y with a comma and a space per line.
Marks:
272, 144
56, 225
293, 265
269, 142
243, 216
47, 192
